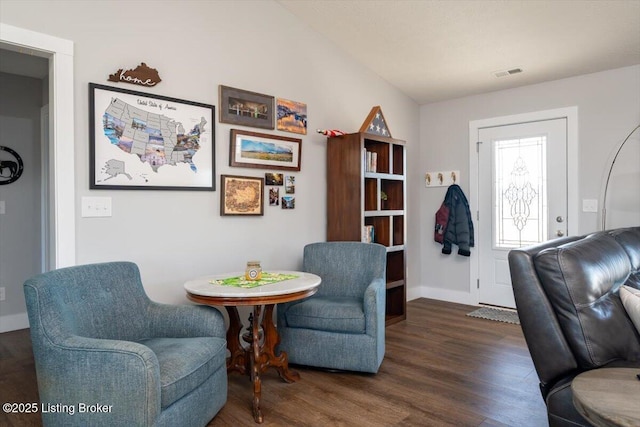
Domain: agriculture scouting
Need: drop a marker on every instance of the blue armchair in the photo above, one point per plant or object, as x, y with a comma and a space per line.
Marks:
342, 326
105, 354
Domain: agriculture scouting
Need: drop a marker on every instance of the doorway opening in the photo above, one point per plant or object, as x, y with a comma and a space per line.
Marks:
58, 196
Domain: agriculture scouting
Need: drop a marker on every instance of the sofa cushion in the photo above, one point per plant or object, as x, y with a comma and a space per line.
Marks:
581, 280
631, 300
185, 363
332, 314
629, 239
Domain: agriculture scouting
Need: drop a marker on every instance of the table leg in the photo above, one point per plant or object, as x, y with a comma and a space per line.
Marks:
238, 360
261, 353
255, 363
268, 356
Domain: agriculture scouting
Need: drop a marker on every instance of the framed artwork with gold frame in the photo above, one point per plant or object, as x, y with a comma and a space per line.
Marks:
241, 195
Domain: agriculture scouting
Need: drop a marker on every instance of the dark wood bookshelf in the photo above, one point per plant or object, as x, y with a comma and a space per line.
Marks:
358, 196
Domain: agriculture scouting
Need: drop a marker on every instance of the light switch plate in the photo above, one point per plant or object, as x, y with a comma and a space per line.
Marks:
589, 205
93, 207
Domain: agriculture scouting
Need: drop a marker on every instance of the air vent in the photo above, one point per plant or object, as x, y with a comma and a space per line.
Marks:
504, 73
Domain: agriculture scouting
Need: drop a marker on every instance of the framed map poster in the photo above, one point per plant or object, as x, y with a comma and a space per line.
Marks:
142, 141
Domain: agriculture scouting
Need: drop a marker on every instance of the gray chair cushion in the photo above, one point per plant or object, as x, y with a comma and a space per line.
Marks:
185, 363
331, 314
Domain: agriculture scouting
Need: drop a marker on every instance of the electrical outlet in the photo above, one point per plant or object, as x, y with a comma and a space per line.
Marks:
3, 296
589, 205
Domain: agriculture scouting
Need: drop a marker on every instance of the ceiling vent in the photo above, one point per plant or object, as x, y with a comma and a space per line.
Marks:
505, 73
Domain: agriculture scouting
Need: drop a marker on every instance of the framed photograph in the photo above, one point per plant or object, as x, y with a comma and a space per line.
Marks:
241, 195
288, 202
292, 116
259, 150
241, 107
143, 141
271, 178
274, 196
290, 184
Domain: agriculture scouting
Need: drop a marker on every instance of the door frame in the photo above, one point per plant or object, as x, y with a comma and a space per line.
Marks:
568, 113
61, 134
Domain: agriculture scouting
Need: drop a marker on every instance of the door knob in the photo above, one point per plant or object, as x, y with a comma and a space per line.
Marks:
559, 233
559, 218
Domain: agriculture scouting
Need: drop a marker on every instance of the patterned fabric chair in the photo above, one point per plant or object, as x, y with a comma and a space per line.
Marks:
342, 326
106, 354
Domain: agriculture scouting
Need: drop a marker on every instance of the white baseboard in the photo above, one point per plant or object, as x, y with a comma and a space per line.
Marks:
14, 322
442, 295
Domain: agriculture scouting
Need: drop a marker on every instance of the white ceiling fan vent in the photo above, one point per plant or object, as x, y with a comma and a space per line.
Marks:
504, 73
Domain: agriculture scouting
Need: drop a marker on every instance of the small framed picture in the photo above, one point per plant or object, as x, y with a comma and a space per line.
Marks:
290, 184
241, 195
273, 179
241, 107
288, 202
274, 196
292, 116
259, 150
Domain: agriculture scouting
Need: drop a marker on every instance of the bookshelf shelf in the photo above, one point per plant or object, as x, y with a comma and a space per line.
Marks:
366, 184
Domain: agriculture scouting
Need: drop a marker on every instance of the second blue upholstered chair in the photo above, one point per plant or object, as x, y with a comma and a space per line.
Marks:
342, 326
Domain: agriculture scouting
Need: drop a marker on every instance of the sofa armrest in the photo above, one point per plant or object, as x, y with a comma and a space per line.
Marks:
120, 379
183, 321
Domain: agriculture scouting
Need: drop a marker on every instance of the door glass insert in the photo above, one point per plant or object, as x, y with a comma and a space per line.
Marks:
520, 192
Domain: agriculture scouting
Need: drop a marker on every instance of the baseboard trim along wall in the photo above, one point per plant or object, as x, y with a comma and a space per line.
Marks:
442, 294
14, 322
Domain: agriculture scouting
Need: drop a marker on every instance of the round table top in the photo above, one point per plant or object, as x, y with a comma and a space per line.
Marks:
304, 285
608, 396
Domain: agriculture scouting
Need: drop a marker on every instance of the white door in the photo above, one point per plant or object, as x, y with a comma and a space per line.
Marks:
522, 197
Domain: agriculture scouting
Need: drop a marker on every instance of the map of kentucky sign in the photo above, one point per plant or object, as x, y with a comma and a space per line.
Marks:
146, 141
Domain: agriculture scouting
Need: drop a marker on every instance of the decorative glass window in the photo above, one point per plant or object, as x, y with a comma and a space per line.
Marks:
520, 192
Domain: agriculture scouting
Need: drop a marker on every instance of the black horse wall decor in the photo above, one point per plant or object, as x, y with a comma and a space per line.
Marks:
10, 169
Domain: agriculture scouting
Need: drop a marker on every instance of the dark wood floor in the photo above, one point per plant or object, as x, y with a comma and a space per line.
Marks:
441, 368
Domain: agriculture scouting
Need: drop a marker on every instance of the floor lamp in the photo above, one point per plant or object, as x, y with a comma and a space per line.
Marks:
629, 137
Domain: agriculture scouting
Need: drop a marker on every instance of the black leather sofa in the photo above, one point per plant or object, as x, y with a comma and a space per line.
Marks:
567, 296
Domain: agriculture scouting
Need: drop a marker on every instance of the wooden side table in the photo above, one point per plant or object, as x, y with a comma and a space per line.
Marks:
608, 396
260, 354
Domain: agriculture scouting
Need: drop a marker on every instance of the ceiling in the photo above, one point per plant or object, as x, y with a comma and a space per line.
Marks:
434, 50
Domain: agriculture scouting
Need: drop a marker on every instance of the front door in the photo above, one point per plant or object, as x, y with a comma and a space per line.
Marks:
522, 197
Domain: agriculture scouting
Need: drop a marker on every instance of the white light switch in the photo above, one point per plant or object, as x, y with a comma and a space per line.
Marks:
589, 205
2, 208
96, 207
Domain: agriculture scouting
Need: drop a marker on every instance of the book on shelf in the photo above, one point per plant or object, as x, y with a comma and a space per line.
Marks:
368, 234
371, 161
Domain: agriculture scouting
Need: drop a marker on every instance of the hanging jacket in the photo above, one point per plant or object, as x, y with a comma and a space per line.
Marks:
442, 217
459, 225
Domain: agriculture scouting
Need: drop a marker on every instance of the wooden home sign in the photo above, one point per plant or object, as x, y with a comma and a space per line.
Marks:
142, 75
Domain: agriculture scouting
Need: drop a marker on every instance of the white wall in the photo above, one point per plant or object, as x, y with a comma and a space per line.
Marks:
20, 235
608, 109
196, 46
256, 45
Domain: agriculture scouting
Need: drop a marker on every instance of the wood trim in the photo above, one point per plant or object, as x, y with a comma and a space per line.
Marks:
246, 301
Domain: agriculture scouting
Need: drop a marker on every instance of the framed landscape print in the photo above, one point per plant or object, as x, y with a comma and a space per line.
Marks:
241, 107
241, 195
142, 141
292, 116
259, 150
